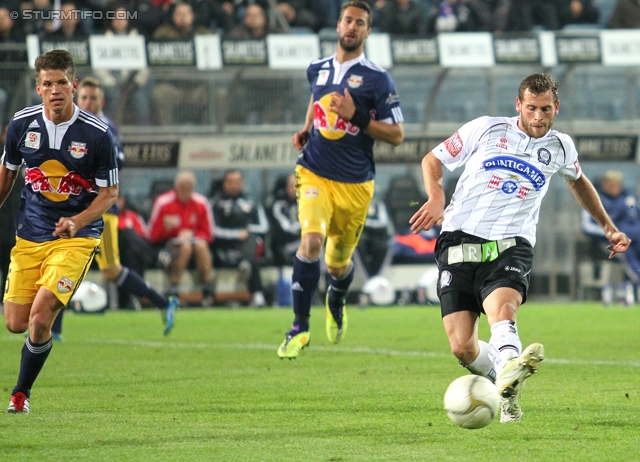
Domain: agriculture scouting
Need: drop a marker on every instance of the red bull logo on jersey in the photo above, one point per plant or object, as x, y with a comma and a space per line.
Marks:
330, 125
55, 182
77, 150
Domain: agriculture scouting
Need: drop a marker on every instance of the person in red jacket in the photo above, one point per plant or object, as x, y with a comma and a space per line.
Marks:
182, 222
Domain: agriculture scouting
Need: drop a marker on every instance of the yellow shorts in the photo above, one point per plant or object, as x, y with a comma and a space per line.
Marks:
57, 265
109, 254
337, 210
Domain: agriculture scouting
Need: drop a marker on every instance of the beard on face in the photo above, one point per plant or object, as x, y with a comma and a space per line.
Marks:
349, 48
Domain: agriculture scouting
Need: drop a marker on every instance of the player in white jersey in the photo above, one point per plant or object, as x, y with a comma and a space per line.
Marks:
485, 250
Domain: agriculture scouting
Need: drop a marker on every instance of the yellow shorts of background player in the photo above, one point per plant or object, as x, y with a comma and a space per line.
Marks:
337, 210
109, 254
58, 265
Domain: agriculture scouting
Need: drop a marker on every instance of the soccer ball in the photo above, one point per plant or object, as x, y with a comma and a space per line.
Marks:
472, 401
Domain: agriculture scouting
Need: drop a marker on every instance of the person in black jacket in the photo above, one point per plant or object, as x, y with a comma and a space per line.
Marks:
240, 225
285, 227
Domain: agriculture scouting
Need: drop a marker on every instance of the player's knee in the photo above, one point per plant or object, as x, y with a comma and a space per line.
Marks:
111, 273
465, 352
16, 326
311, 245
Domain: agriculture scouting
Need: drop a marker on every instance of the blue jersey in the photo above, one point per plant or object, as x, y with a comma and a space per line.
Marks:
338, 150
65, 165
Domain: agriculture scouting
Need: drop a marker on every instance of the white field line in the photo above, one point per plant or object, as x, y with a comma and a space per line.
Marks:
352, 350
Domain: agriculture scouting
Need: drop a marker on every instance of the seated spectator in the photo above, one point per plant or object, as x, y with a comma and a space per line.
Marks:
374, 242
527, 14
69, 29
181, 222
490, 15
125, 85
577, 12
298, 13
400, 17
254, 25
149, 17
135, 251
285, 227
41, 22
621, 206
169, 96
240, 226
626, 15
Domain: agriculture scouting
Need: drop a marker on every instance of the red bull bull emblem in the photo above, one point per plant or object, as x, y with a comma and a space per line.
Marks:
354, 81
65, 285
68, 183
78, 150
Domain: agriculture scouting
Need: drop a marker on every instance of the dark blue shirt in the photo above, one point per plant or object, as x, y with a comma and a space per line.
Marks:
65, 165
336, 149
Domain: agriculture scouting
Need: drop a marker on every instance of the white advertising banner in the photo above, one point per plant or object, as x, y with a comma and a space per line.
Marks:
378, 50
112, 52
466, 49
237, 152
292, 51
620, 47
208, 52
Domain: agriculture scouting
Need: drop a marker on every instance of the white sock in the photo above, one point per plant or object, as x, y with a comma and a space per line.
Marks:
505, 344
483, 365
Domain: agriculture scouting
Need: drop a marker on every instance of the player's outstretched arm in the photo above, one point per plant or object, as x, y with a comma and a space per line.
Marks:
587, 196
432, 212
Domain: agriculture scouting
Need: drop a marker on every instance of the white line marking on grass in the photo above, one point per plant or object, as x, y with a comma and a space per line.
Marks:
353, 350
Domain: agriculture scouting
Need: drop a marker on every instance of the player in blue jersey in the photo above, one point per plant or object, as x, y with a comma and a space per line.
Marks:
91, 98
71, 180
353, 103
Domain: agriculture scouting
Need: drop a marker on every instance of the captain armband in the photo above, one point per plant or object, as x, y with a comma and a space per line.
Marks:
360, 119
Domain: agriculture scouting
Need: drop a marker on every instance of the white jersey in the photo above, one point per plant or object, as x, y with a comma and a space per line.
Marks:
506, 175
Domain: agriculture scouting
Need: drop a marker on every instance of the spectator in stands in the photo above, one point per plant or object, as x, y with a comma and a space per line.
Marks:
240, 226
450, 16
374, 241
490, 15
622, 207
298, 13
285, 227
181, 222
148, 16
168, 96
135, 251
527, 14
38, 24
123, 86
577, 12
626, 15
69, 26
10, 32
400, 17
254, 25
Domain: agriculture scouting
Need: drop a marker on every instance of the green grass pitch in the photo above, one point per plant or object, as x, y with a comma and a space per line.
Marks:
215, 390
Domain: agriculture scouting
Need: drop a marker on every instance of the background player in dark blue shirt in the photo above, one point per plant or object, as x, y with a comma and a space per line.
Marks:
91, 99
71, 179
353, 103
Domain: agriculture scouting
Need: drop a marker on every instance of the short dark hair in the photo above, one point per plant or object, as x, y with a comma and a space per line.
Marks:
90, 82
358, 4
537, 84
56, 60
